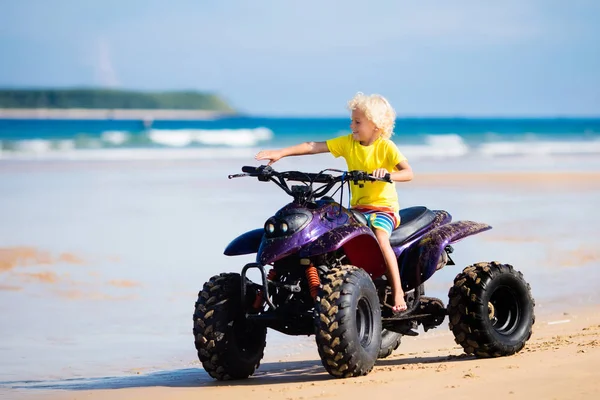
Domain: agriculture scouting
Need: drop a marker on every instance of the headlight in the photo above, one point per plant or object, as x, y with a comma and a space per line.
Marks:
286, 223
283, 227
270, 228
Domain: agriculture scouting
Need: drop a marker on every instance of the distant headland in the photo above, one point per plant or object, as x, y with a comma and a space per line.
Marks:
110, 104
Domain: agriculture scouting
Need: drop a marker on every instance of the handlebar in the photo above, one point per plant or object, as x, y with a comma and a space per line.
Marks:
301, 194
265, 172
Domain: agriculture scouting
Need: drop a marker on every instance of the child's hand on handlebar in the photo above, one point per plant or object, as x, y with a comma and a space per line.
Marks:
380, 173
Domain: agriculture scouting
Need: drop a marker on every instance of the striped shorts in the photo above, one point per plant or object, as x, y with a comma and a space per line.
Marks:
385, 219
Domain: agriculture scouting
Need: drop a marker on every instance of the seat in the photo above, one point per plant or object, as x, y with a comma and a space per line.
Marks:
359, 216
412, 220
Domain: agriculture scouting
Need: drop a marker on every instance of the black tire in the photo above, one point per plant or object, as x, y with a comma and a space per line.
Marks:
229, 346
348, 325
491, 310
390, 341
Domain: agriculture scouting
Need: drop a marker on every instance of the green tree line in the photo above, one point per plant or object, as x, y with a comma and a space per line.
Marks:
110, 99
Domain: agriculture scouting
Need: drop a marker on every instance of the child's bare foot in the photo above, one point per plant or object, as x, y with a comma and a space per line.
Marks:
399, 303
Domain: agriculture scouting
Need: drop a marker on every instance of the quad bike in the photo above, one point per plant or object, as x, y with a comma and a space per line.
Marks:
322, 272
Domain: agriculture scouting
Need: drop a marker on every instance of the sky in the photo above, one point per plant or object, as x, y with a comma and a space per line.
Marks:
292, 58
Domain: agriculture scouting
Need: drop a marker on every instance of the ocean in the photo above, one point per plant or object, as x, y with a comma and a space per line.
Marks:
110, 228
238, 137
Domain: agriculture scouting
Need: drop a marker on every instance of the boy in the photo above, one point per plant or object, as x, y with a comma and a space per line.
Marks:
370, 149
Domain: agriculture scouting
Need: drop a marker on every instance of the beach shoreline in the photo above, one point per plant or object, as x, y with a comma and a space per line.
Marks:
515, 179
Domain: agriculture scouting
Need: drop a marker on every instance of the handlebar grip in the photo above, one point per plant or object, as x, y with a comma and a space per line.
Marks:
248, 169
365, 176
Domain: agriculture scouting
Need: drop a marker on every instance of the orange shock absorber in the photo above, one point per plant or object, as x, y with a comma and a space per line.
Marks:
314, 283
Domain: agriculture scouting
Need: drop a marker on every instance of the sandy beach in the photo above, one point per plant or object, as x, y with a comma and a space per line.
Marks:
514, 181
560, 362
97, 286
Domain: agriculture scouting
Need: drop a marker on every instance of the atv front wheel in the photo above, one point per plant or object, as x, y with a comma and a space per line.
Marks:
491, 310
348, 325
229, 346
390, 341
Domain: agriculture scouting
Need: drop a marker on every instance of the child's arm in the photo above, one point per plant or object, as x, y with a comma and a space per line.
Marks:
297, 150
404, 173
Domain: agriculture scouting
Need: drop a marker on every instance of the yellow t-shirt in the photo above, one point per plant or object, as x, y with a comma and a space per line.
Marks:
383, 153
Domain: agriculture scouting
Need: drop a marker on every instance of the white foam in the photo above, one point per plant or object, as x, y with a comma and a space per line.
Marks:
244, 143
223, 137
115, 137
63, 145
451, 146
437, 146
124, 154
172, 138
538, 148
35, 146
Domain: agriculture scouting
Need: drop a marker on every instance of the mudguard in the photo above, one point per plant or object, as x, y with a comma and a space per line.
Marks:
421, 258
359, 244
246, 243
273, 249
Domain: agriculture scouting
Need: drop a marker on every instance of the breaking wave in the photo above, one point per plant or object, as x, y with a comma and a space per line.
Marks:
175, 144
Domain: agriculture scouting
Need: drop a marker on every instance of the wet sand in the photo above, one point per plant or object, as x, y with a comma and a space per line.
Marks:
559, 362
518, 181
75, 259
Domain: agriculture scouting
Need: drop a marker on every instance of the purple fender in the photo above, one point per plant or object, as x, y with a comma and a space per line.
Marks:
421, 258
271, 250
246, 243
359, 244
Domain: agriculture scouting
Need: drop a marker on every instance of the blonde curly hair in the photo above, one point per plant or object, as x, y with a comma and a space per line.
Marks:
377, 109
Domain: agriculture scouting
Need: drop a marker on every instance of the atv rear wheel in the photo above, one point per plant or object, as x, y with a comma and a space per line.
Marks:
390, 341
491, 310
229, 346
348, 326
